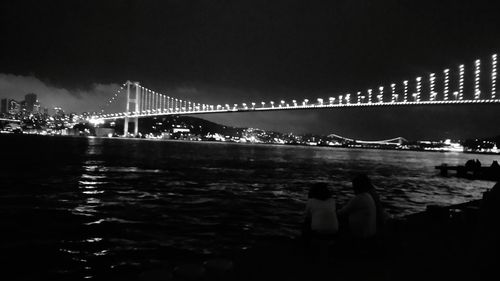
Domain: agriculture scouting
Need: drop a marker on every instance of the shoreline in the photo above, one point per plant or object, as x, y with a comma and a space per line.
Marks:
255, 144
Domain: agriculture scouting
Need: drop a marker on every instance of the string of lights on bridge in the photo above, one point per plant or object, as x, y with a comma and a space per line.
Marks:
152, 103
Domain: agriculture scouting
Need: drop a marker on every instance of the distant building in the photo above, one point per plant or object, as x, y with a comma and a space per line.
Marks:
3, 106
31, 102
9, 106
59, 112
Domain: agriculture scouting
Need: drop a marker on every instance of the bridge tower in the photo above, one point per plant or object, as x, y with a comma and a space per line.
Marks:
136, 105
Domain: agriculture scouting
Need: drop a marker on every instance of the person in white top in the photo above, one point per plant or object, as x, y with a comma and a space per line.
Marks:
321, 224
321, 215
361, 211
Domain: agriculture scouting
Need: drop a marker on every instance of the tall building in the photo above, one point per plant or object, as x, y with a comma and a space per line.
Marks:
30, 102
3, 106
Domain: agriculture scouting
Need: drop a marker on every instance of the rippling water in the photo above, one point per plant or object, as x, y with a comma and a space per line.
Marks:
104, 205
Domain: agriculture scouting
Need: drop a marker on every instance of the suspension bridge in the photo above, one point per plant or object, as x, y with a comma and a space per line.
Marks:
393, 141
448, 87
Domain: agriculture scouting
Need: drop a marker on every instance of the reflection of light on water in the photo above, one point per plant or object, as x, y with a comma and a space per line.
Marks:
92, 240
101, 253
95, 146
69, 251
95, 222
92, 177
91, 183
93, 192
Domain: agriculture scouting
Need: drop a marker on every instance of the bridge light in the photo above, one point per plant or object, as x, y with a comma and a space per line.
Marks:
380, 95
394, 97
493, 76
320, 101
348, 98
477, 75
294, 102
405, 82
369, 95
304, 103
432, 78
263, 104
272, 104
359, 96
253, 105
456, 95
446, 83
419, 88
461, 69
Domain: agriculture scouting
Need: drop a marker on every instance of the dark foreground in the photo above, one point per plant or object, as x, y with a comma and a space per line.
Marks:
443, 243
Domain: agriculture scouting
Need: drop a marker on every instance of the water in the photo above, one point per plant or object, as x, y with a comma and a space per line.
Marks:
97, 206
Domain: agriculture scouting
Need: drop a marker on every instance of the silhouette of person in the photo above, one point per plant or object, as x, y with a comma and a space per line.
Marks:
477, 164
320, 224
361, 211
320, 213
489, 230
494, 171
470, 165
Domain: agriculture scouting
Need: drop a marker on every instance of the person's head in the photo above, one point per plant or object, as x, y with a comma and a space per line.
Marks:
361, 183
320, 191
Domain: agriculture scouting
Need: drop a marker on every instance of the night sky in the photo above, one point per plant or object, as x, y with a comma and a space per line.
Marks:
74, 54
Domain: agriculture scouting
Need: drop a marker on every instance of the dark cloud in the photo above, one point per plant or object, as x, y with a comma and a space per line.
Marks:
94, 98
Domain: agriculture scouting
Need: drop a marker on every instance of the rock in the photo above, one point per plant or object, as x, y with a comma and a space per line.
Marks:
219, 266
189, 272
156, 275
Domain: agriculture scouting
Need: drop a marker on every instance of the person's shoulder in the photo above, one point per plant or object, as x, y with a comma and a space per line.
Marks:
330, 200
365, 196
